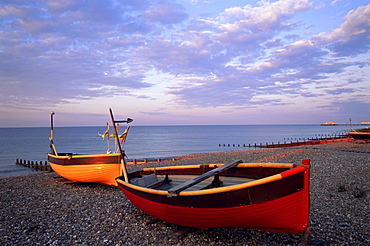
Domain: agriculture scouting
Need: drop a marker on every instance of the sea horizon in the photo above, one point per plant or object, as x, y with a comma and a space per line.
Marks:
271, 124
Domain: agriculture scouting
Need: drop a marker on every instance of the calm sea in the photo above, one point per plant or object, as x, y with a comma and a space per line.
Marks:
144, 141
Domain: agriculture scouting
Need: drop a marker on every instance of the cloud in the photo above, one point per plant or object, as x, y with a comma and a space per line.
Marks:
152, 113
249, 26
307, 61
352, 37
56, 52
166, 13
354, 108
339, 91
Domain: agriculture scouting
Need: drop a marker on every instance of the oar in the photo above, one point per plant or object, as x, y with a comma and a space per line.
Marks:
118, 143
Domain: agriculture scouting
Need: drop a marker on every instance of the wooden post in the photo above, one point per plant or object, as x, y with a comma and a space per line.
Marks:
123, 162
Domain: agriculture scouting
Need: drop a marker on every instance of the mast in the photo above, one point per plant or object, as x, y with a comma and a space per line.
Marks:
123, 162
51, 138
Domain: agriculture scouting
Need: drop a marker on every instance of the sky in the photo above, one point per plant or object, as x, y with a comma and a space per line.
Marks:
184, 62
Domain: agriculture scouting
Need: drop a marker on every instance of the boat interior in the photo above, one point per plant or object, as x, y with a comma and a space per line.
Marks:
167, 182
203, 177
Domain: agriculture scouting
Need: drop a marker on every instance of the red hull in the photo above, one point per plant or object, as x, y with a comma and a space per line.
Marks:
277, 203
283, 215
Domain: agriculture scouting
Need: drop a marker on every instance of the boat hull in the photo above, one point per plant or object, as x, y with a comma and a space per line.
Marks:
277, 204
360, 135
101, 169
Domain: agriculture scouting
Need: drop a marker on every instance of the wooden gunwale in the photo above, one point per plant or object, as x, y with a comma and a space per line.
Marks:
85, 159
245, 185
215, 165
73, 156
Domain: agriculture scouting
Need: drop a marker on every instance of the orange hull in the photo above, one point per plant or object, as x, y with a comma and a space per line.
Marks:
101, 169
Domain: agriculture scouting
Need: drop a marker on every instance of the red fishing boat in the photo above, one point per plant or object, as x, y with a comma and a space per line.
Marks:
263, 196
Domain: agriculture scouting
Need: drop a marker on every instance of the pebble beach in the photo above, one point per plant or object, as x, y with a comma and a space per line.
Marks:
41, 209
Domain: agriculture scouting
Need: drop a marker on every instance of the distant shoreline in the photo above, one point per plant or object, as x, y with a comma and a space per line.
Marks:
343, 124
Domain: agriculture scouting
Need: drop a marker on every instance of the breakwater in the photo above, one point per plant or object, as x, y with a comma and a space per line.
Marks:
292, 143
38, 166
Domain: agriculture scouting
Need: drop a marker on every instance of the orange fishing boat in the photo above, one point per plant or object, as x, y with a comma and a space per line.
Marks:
99, 168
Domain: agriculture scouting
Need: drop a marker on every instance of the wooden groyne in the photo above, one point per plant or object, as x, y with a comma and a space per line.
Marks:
144, 161
292, 143
38, 166
46, 167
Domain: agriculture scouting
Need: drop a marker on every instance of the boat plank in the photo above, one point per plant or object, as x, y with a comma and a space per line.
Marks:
176, 190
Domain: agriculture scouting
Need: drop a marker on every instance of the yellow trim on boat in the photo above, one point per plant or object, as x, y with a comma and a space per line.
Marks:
273, 165
264, 164
170, 168
83, 156
143, 189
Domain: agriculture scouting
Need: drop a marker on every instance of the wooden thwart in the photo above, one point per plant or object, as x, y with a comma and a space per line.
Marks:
177, 189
